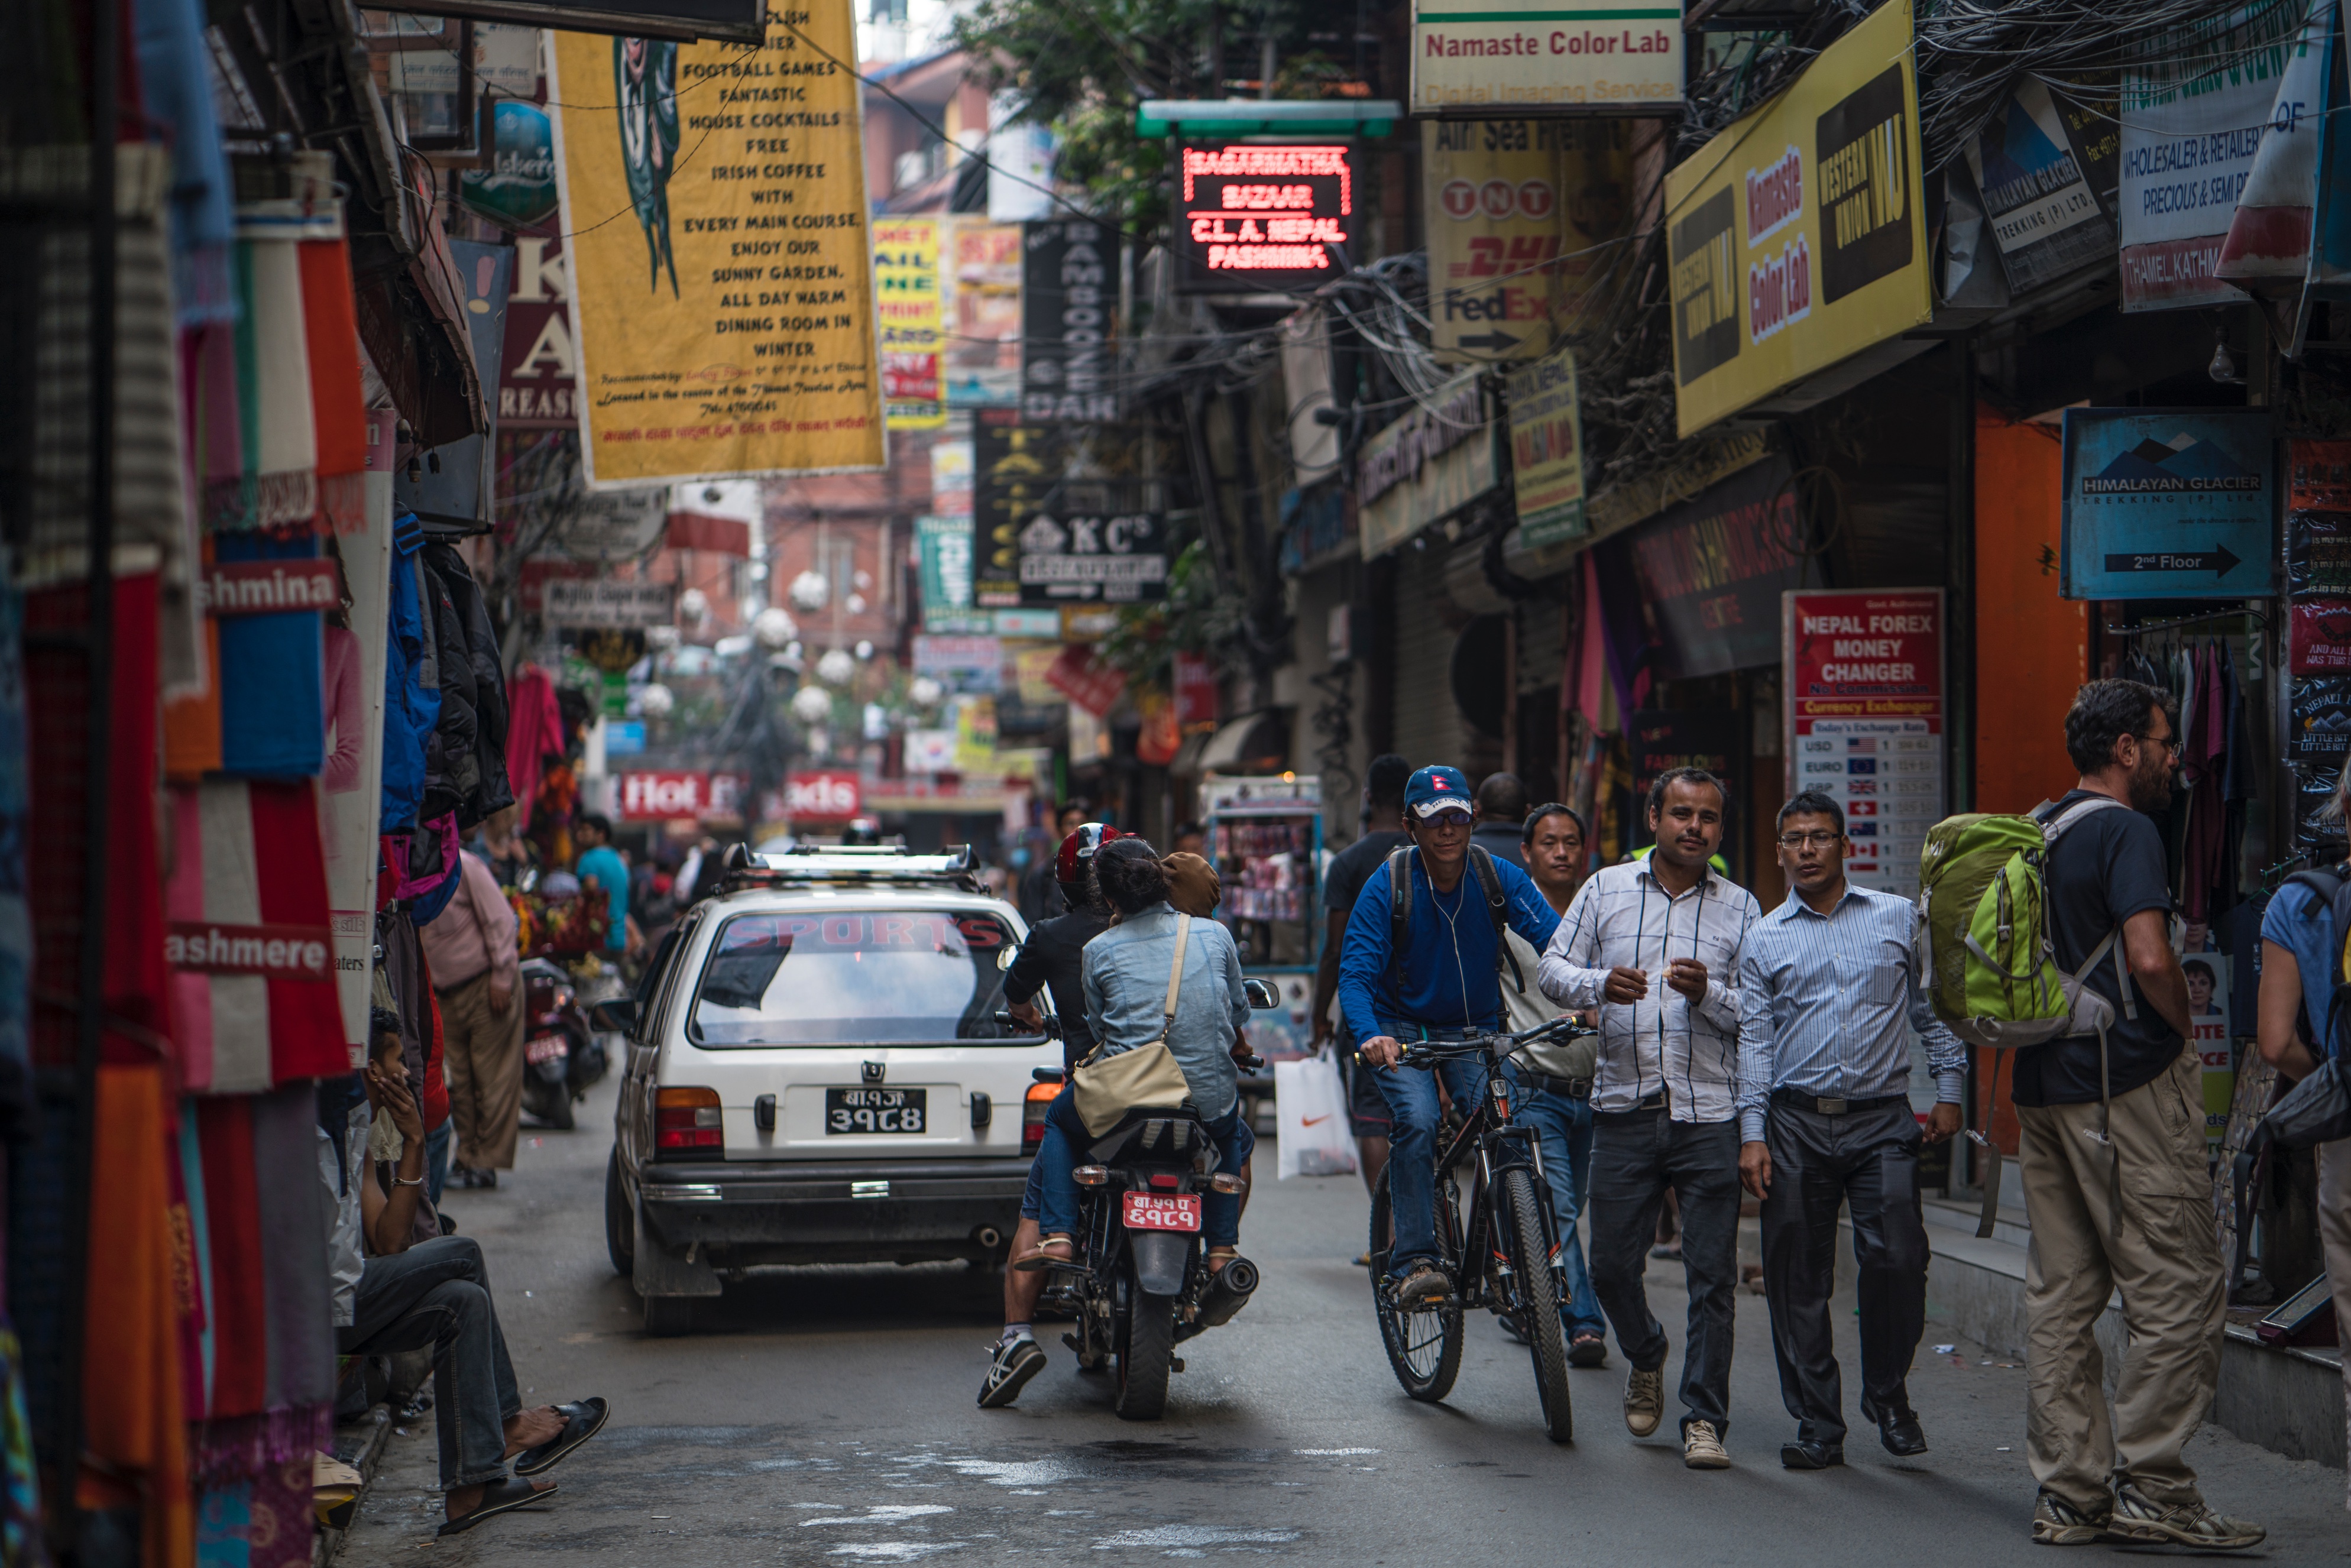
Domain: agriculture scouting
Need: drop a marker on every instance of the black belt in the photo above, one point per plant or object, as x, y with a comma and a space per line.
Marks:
1653, 1100
1572, 1088
1826, 1106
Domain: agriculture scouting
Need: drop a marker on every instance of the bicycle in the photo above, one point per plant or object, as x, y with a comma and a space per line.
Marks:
1510, 1227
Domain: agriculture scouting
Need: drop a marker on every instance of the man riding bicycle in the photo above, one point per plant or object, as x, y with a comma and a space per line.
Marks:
1438, 981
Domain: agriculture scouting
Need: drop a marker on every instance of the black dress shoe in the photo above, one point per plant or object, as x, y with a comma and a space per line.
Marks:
1901, 1434
1811, 1455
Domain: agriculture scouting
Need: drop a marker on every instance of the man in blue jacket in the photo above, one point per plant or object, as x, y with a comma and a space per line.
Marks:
1443, 986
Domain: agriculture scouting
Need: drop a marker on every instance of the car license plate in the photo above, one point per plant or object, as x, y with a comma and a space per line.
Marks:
854, 1112
546, 1048
1152, 1211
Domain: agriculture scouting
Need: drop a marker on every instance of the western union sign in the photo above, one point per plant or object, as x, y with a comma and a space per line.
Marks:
1798, 236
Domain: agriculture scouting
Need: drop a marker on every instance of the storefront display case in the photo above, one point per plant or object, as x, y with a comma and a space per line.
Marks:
1265, 838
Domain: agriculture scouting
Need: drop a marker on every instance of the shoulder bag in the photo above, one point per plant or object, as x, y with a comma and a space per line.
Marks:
1105, 1088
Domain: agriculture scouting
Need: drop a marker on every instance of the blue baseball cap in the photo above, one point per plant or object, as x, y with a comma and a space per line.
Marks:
1435, 790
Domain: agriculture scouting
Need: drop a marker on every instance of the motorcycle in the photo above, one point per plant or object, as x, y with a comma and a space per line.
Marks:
562, 1056
1138, 1282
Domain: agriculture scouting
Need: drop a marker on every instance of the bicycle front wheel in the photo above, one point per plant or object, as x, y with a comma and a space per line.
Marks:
1530, 1248
1422, 1342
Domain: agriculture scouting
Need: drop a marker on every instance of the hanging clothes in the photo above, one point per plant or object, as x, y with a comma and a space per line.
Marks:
412, 682
338, 408
2204, 855
254, 973
271, 672
132, 1403
534, 736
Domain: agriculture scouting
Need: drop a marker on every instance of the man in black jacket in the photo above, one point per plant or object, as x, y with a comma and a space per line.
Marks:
1051, 959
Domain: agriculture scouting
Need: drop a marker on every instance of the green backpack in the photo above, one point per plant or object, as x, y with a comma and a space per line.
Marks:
1990, 956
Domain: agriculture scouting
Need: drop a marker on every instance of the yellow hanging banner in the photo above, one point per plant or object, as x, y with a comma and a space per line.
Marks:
722, 294
1798, 236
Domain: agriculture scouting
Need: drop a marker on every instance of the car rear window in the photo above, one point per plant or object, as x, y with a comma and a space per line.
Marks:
864, 976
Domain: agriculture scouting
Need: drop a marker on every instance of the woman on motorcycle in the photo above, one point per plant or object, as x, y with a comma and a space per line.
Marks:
1125, 980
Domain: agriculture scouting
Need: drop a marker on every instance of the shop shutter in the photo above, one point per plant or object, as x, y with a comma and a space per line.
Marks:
1428, 727
1540, 645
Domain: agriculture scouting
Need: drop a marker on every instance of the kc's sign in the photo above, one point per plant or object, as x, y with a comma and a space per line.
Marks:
1263, 218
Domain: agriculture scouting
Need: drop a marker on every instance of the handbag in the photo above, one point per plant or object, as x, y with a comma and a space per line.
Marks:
1105, 1088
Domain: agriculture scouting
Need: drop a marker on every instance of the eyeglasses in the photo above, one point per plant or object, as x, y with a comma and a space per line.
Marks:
1809, 841
2169, 743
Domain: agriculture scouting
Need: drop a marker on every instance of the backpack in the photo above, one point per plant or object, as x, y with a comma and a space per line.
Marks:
2318, 1109
1989, 959
1489, 882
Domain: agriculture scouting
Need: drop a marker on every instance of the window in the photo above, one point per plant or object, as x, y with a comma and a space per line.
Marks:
869, 976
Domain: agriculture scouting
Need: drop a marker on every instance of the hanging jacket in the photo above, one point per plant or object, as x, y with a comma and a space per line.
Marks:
412, 683
491, 791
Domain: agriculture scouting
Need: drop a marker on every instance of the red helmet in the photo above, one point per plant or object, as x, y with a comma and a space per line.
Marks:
1069, 865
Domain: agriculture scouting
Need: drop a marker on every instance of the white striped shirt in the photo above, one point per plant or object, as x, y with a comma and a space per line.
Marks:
1830, 1001
1623, 917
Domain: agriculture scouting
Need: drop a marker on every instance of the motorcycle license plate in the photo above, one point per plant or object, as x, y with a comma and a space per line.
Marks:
854, 1112
546, 1048
1156, 1211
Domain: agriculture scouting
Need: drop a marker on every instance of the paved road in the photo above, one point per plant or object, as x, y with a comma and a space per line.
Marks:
827, 1416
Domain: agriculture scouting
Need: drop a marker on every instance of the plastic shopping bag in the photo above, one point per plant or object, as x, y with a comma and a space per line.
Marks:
1313, 1107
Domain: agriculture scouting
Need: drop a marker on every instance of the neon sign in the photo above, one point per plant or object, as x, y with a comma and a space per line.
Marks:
1267, 217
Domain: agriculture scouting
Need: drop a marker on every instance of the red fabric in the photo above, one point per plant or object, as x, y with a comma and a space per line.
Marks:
338, 408
132, 1394
240, 1321
434, 1108
306, 1018
534, 733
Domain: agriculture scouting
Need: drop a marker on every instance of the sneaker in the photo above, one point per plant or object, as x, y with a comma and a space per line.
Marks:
1644, 1400
1701, 1450
2139, 1517
1425, 1285
1009, 1370
2056, 1522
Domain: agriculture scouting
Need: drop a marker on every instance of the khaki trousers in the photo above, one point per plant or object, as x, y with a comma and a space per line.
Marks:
482, 1054
2335, 1235
2167, 1264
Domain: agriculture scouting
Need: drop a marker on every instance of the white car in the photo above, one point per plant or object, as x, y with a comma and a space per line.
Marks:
817, 1074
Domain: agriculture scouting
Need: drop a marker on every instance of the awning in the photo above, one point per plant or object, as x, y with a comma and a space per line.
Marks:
1238, 741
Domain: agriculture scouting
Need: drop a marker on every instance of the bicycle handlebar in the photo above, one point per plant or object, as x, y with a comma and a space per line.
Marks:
1428, 1052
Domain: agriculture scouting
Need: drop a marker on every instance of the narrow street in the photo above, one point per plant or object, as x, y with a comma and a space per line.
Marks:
827, 1416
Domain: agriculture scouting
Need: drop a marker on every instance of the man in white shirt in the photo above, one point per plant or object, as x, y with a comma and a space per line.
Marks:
1655, 946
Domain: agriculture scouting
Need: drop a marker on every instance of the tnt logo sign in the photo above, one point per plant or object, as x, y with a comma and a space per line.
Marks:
1499, 201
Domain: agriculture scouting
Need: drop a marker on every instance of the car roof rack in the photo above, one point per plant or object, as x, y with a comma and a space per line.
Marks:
809, 865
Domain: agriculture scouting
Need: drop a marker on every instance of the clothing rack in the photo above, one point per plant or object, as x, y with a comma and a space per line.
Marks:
447, 526
2175, 622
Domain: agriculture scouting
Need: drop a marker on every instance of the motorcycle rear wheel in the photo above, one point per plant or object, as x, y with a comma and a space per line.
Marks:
1147, 1353
1529, 1253
1423, 1344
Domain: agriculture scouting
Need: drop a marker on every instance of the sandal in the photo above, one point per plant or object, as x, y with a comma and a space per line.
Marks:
1043, 1256
1220, 1256
581, 1421
502, 1496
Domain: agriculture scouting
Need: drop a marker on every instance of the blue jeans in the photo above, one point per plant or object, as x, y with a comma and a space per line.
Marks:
436, 1158
1057, 1157
1564, 1125
1414, 1114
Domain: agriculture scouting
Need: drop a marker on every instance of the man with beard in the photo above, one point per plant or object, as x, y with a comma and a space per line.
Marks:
2112, 1152
645, 75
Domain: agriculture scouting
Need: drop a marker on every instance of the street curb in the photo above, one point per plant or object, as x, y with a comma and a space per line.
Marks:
361, 1445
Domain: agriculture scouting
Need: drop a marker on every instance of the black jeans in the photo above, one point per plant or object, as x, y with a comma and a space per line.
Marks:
1635, 1156
437, 1293
1869, 1160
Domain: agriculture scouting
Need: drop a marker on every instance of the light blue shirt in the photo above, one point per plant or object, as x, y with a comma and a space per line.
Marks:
1827, 1003
604, 867
1123, 975
2299, 921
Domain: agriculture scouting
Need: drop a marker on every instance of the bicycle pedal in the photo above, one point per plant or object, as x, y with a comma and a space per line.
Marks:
1174, 1364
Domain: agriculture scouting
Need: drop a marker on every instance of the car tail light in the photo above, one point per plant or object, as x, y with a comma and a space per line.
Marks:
1033, 1106
688, 1121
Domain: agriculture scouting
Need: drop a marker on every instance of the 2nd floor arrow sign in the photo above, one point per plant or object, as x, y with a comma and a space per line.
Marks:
2167, 503
2219, 560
